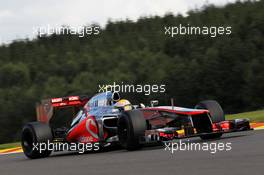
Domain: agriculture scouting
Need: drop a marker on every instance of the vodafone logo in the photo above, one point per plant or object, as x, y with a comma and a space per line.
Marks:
88, 124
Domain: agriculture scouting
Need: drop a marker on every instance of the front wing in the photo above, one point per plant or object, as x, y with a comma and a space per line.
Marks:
170, 133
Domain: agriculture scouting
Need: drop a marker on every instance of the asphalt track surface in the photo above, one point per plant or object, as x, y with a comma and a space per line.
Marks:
246, 157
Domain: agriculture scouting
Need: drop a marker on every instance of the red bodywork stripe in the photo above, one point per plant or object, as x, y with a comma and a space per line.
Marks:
178, 112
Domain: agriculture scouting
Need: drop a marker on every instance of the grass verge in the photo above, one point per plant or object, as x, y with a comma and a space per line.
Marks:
9, 145
254, 116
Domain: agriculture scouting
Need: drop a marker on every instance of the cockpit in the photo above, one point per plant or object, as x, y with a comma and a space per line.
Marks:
108, 99
102, 100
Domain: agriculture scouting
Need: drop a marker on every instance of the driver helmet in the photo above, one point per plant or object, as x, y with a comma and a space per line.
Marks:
123, 103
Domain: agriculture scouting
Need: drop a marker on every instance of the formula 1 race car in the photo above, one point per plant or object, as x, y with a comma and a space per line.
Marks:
106, 119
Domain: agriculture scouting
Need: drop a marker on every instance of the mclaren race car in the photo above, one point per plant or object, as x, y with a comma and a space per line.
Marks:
107, 119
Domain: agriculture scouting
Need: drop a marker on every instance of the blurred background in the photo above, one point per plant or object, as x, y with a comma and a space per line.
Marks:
131, 48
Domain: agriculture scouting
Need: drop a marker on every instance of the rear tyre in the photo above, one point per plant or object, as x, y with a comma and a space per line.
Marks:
216, 113
131, 128
35, 133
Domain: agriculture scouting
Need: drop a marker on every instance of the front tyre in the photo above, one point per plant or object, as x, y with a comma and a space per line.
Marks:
32, 134
131, 128
216, 113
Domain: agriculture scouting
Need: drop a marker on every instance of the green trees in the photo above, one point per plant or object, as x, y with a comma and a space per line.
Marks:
193, 68
14, 75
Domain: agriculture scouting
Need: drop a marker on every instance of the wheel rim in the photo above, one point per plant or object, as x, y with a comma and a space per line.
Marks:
122, 131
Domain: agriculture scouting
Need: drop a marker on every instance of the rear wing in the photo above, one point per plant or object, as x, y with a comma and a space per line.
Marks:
45, 108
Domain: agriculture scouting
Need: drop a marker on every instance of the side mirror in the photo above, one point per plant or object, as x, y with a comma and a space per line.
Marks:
154, 103
141, 105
